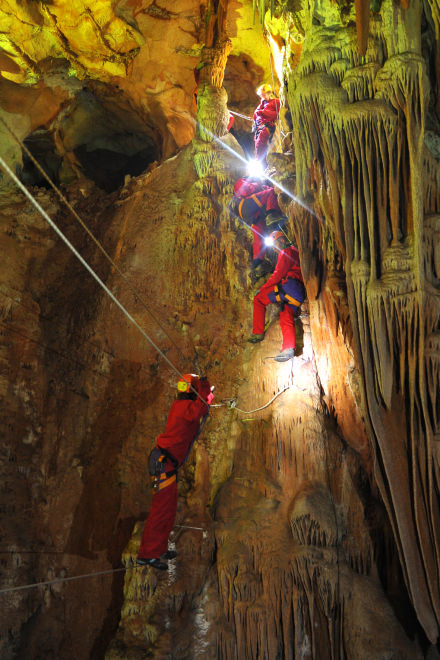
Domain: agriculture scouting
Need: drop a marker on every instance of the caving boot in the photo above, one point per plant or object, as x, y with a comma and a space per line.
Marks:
169, 554
255, 263
275, 220
254, 339
155, 563
285, 355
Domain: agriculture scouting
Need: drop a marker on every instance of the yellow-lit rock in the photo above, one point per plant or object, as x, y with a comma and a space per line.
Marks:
308, 515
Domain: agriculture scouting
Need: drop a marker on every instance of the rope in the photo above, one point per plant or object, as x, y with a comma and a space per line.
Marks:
190, 527
85, 575
277, 120
249, 412
204, 531
110, 294
91, 271
237, 114
86, 229
101, 248
67, 579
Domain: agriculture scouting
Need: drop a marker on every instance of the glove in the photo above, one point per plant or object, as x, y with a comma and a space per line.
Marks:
205, 388
210, 398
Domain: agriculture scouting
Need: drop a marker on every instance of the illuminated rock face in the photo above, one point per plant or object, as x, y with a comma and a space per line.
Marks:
369, 171
306, 529
108, 87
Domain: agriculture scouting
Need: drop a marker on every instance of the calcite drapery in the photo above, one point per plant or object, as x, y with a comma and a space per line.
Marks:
293, 555
359, 139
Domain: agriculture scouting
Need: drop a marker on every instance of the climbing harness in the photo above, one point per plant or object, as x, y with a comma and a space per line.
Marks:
290, 292
249, 206
160, 477
163, 480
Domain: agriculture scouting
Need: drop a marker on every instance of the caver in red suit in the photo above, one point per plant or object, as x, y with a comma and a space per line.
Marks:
264, 119
253, 200
288, 267
182, 428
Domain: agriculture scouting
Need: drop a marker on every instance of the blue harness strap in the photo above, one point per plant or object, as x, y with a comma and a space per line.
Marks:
290, 292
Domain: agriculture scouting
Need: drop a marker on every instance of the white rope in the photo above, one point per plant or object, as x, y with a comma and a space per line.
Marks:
278, 119
47, 583
237, 114
101, 283
86, 229
190, 527
249, 412
67, 579
91, 271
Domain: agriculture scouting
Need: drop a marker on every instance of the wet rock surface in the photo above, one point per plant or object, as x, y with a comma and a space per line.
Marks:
307, 528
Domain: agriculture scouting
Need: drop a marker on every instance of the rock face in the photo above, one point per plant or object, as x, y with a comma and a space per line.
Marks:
308, 527
103, 89
367, 171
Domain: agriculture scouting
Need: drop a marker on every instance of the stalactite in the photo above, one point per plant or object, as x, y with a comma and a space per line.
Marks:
431, 184
369, 144
435, 13
362, 24
359, 82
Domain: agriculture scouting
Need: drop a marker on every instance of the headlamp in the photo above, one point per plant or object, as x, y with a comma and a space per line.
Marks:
255, 168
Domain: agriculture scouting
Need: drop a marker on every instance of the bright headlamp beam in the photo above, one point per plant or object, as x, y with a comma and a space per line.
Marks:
243, 160
255, 168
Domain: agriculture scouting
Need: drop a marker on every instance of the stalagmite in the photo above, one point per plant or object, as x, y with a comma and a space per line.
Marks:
307, 527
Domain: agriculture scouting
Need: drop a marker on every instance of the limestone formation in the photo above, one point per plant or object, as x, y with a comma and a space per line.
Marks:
307, 528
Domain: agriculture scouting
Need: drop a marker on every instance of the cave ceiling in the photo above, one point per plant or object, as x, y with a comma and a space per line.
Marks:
113, 81
320, 515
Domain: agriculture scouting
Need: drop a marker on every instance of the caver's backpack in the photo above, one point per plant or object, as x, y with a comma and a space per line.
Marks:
289, 292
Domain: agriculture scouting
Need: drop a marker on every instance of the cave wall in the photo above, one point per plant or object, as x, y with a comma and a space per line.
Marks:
360, 149
274, 608
315, 518
108, 85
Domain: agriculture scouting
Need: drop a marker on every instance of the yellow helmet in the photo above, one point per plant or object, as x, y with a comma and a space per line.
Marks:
266, 88
188, 380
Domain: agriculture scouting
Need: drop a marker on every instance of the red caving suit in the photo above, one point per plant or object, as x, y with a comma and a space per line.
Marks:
181, 429
256, 199
265, 116
288, 266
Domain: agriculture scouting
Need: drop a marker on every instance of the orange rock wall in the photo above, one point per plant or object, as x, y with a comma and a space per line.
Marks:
301, 510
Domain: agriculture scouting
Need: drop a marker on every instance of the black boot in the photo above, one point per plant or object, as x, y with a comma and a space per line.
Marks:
155, 563
254, 339
169, 554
